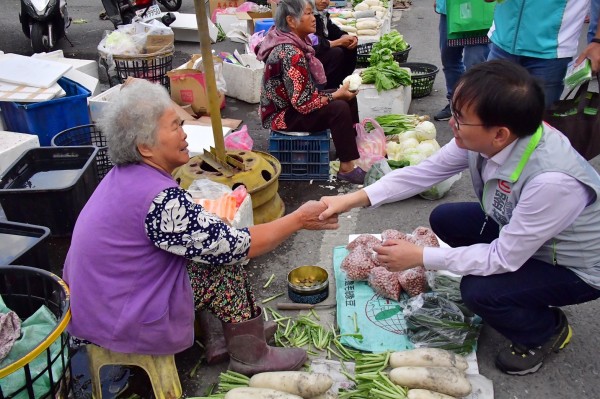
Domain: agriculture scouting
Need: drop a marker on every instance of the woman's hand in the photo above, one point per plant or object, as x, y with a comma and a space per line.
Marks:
343, 93
346, 41
309, 214
399, 255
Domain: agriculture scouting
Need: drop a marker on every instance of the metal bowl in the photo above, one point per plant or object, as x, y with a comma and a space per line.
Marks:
308, 284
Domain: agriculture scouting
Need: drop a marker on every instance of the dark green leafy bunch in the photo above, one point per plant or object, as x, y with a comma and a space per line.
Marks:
386, 76
392, 41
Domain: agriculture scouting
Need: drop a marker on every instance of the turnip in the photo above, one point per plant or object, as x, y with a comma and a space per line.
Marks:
426, 394
258, 393
447, 380
306, 385
428, 357
425, 131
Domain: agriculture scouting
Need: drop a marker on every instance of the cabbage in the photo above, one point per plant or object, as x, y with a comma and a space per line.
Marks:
426, 148
409, 134
433, 142
425, 131
355, 81
413, 156
408, 143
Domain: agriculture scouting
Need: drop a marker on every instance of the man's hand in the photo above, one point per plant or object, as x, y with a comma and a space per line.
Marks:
399, 255
309, 215
591, 52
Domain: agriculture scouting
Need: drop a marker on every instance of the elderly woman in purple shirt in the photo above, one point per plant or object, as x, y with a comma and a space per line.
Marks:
532, 243
140, 234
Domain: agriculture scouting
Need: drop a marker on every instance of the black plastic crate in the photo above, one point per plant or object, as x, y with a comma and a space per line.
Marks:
86, 135
45, 371
423, 76
24, 244
363, 53
301, 157
152, 67
48, 186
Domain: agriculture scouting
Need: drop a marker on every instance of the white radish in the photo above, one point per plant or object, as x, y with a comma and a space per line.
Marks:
304, 384
258, 393
426, 394
428, 357
326, 395
447, 380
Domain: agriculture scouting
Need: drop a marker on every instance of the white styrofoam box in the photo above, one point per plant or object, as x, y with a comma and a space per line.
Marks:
230, 22
13, 145
98, 103
89, 82
244, 83
89, 67
185, 28
200, 138
372, 103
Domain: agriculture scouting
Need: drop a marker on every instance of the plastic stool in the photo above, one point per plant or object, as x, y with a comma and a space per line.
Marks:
160, 368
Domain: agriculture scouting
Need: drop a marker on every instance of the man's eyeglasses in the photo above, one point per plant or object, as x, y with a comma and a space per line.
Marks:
457, 124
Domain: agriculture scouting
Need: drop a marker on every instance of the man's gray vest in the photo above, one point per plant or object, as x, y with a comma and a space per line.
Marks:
578, 246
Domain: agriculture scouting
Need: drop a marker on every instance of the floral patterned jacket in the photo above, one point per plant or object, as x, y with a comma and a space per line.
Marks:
287, 84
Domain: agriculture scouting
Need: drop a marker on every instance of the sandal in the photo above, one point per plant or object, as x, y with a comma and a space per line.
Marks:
356, 176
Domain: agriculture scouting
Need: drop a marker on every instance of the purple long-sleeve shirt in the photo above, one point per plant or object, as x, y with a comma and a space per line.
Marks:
534, 221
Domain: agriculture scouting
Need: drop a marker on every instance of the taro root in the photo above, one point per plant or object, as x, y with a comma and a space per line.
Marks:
385, 283
413, 281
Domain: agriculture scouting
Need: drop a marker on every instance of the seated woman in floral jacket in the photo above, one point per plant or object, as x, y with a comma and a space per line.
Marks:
290, 99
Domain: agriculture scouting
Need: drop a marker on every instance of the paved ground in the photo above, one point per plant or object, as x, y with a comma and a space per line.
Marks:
571, 374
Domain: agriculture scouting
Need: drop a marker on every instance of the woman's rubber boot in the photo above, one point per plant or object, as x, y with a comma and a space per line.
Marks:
249, 353
212, 338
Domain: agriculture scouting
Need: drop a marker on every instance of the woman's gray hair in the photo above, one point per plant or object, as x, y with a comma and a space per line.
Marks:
131, 119
291, 8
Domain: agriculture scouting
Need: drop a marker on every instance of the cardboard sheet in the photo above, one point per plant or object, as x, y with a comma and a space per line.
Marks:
200, 137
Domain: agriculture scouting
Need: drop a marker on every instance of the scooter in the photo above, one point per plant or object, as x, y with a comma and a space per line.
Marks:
171, 5
145, 9
44, 22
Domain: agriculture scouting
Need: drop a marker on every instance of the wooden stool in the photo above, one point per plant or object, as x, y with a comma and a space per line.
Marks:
160, 368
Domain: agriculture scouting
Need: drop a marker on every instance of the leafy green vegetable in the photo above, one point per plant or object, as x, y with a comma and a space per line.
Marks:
398, 164
386, 76
392, 41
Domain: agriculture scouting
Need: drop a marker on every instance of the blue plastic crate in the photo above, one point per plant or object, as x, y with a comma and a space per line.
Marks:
45, 119
301, 157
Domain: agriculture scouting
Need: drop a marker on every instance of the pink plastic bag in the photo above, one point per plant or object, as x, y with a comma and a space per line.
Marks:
371, 145
239, 140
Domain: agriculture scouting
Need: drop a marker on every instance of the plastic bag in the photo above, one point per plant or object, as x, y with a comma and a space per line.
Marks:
371, 145
208, 189
256, 39
377, 171
239, 140
436, 322
441, 189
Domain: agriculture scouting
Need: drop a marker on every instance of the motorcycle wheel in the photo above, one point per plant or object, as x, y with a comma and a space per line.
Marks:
40, 41
171, 5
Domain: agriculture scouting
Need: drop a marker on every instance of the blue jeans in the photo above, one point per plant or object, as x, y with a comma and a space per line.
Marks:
516, 304
594, 14
550, 72
455, 60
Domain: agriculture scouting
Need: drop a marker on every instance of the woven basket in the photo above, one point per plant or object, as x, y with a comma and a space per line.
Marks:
363, 52
152, 67
423, 76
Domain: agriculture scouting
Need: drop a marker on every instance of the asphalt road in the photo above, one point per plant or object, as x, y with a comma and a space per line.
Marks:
571, 374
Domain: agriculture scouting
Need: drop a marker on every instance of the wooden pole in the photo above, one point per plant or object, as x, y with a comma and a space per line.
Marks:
214, 106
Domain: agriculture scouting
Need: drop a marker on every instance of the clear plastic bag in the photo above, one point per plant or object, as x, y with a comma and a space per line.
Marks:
441, 189
433, 321
377, 171
371, 145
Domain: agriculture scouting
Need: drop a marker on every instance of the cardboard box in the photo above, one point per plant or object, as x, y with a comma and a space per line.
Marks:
222, 4
244, 82
188, 87
158, 43
251, 18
